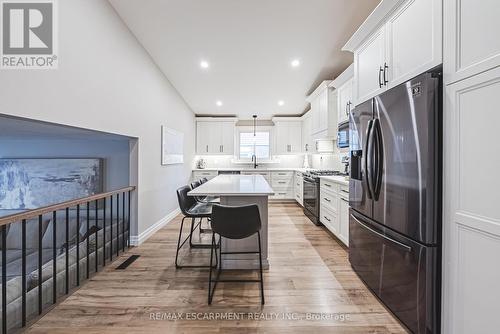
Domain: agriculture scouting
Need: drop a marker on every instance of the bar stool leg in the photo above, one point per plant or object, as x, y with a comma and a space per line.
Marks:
179, 243
210, 293
261, 275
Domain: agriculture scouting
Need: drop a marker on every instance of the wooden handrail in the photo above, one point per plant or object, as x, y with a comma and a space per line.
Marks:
47, 209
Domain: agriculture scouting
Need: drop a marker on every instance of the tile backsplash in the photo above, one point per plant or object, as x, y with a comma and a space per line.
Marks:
318, 161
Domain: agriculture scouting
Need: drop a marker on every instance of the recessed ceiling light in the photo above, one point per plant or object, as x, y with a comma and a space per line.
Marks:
281, 103
295, 63
218, 103
204, 64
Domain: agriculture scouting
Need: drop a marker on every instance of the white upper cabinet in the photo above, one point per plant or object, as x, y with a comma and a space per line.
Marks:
307, 139
323, 111
344, 100
398, 41
288, 133
414, 40
203, 145
471, 43
369, 62
215, 136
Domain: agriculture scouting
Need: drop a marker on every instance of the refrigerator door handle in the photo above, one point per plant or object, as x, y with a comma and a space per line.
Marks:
408, 248
368, 159
378, 165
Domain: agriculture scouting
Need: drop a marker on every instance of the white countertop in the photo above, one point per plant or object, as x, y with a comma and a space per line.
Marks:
250, 169
234, 185
336, 178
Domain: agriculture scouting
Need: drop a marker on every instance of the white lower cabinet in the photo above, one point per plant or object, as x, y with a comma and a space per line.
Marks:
344, 218
282, 184
334, 209
298, 188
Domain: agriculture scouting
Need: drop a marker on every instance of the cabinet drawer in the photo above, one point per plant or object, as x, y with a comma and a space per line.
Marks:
344, 191
282, 194
281, 175
329, 186
282, 183
329, 201
329, 219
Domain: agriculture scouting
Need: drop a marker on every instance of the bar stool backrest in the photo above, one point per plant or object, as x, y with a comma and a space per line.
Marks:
203, 180
236, 222
195, 184
185, 202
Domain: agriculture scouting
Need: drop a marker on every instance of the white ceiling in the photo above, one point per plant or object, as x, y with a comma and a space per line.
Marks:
249, 45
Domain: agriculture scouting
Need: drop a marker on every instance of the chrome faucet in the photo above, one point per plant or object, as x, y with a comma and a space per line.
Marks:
254, 160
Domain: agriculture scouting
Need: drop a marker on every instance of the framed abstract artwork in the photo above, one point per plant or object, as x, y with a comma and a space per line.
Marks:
32, 183
172, 146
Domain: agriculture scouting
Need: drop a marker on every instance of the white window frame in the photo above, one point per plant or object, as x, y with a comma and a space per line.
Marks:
240, 129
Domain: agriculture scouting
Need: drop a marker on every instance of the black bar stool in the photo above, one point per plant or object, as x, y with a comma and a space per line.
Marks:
194, 210
234, 222
208, 199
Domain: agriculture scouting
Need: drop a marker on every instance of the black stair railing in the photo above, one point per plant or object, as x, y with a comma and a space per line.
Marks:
60, 218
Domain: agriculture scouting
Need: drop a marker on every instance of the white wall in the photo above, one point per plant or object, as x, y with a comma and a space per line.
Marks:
107, 82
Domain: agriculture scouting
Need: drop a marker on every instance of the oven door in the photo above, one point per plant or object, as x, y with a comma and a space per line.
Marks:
311, 199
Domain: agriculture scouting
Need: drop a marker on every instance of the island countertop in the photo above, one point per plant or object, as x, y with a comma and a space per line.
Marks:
234, 185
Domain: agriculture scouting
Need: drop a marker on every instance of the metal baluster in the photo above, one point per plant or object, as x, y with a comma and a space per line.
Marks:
111, 229
123, 222
117, 224
4, 279
78, 245
67, 251
96, 243
54, 257
23, 272
128, 220
88, 236
104, 234
40, 264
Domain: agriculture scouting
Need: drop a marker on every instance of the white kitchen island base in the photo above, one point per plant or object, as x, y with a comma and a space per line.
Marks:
238, 190
250, 244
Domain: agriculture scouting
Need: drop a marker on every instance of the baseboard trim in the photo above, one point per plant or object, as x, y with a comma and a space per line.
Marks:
138, 240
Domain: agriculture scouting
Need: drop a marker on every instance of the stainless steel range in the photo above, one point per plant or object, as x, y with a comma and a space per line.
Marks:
311, 193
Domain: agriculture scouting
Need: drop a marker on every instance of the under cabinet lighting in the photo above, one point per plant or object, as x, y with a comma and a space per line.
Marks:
218, 103
281, 103
295, 63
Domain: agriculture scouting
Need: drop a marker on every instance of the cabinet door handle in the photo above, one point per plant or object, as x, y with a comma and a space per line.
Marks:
307, 147
327, 218
344, 191
385, 77
345, 200
326, 199
207, 148
281, 182
328, 185
380, 70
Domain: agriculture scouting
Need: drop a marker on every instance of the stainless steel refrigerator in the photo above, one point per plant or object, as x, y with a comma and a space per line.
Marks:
395, 199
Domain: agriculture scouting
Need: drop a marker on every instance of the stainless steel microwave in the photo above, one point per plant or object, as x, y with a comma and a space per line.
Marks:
343, 135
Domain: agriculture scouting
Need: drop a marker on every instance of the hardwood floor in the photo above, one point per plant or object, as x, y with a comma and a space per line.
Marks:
309, 274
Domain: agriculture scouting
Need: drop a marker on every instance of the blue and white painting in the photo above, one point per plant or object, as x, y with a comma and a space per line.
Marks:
33, 183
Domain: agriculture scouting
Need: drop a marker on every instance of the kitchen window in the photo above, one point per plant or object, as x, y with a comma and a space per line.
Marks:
258, 144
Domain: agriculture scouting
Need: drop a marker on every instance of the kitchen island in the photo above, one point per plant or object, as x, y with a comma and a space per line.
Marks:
235, 190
